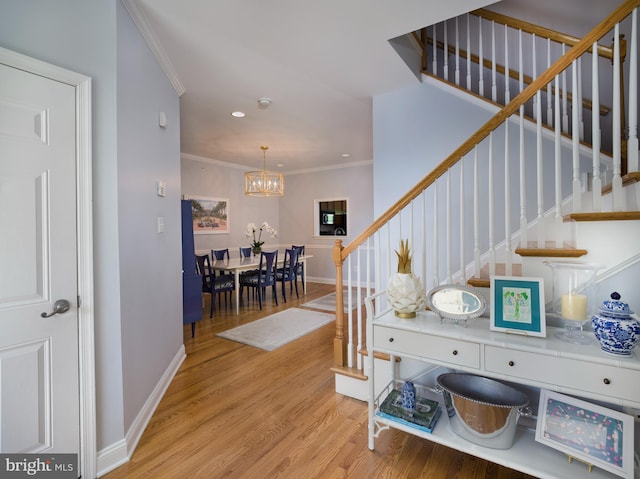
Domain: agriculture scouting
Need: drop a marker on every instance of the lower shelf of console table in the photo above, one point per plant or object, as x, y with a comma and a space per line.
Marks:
582, 371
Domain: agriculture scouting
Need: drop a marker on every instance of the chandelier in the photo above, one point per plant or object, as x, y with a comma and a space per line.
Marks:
263, 182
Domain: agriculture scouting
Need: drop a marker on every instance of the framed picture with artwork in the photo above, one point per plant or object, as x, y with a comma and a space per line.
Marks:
517, 305
210, 215
595, 435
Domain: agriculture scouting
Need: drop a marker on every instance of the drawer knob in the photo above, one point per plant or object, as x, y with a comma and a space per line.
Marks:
455, 352
390, 340
607, 381
511, 363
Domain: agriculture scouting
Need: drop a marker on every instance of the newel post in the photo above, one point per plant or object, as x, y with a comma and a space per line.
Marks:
339, 343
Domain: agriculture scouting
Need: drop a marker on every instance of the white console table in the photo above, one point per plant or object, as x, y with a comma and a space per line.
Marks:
547, 363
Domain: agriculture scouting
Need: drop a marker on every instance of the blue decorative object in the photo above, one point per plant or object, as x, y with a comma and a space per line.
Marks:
408, 395
614, 327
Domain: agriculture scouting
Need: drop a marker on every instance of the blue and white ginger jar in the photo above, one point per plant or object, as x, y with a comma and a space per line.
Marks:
615, 328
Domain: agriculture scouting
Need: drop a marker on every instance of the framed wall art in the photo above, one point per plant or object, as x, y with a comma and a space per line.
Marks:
590, 433
517, 305
210, 215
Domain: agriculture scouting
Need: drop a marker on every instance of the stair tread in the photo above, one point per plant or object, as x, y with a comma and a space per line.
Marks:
604, 216
628, 179
550, 249
484, 280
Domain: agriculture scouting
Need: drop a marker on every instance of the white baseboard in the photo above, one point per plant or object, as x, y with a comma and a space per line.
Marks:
120, 452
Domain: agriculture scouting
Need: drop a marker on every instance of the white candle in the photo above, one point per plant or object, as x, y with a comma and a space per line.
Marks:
574, 307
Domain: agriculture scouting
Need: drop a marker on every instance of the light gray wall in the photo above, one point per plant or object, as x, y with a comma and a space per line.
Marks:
150, 261
291, 215
202, 177
414, 129
82, 37
297, 211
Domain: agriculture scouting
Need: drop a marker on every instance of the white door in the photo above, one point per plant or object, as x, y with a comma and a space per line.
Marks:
39, 390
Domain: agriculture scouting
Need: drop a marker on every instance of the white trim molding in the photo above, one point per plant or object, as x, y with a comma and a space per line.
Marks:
120, 452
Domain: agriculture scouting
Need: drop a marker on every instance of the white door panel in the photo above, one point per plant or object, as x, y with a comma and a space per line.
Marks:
39, 391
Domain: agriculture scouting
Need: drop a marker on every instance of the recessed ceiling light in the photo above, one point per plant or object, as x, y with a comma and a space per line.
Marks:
238, 114
346, 155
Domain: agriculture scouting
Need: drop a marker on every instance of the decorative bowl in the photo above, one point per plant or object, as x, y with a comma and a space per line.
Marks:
615, 328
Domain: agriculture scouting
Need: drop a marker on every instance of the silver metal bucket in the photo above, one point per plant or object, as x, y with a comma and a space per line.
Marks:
482, 410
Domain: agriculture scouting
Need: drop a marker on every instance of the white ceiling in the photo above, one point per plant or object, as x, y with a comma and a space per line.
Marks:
320, 62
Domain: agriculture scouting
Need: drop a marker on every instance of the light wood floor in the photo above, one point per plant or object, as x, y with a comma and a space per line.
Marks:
234, 411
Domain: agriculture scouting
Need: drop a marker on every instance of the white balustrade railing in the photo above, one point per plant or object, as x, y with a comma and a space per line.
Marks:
457, 230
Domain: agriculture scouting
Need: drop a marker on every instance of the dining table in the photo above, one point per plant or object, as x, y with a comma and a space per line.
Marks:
239, 265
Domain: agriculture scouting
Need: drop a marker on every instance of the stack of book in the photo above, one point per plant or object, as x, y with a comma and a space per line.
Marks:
424, 417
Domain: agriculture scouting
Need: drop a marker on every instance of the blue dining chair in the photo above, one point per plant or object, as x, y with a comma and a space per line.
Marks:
299, 266
211, 283
228, 281
287, 274
245, 252
266, 277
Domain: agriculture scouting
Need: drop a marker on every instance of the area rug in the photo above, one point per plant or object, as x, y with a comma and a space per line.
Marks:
328, 302
278, 329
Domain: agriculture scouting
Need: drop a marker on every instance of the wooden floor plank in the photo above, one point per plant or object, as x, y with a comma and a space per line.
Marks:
237, 412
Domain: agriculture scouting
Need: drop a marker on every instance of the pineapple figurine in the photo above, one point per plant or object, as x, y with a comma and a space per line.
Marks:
405, 291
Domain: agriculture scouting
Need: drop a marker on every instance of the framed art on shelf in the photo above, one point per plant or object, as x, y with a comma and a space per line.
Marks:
210, 215
517, 305
590, 433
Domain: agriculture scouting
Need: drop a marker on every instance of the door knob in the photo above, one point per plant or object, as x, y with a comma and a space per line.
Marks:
59, 307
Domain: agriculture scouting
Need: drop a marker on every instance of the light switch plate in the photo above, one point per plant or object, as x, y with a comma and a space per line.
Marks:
161, 188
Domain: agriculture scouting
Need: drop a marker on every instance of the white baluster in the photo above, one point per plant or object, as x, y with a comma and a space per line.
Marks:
349, 316
492, 248
359, 304
596, 185
522, 175
534, 70
557, 223
494, 88
448, 223
549, 89
424, 239
468, 54
507, 92
520, 64
508, 251
539, 173
480, 59
580, 109
445, 51
476, 214
565, 103
457, 73
575, 137
463, 264
618, 200
436, 243
632, 141
434, 61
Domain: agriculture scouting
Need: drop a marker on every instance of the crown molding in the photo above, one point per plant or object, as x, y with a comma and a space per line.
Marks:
188, 156
144, 27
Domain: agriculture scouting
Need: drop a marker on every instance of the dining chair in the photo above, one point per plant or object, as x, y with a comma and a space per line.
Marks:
300, 265
220, 255
287, 274
211, 283
246, 253
266, 277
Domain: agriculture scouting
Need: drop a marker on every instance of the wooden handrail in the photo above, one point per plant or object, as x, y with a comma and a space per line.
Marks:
569, 40
548, 75
526, 79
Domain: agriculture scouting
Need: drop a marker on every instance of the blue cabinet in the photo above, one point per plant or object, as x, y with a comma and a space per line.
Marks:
191, 281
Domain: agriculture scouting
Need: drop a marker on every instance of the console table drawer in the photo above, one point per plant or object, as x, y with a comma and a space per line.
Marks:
451, 351
564, 372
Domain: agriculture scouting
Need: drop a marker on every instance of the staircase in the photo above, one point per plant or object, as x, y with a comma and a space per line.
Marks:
486, 211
